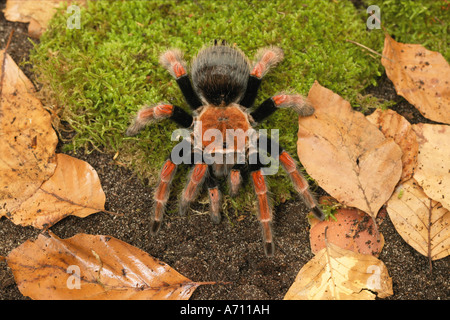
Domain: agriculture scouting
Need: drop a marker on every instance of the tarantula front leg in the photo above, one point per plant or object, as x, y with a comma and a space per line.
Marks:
173, 61
159, 112
293, 101
266, 58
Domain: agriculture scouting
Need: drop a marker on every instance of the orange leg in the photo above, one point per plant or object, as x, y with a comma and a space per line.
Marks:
215, 201
266, 58
300, 184
161, 111
173, 61
235, 182
196, 178
162, 195
264, 209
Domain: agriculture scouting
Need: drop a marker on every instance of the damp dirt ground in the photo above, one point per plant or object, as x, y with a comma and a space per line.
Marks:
230, 252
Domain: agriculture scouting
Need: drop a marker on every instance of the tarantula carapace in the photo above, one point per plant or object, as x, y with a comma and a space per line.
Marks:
223, 89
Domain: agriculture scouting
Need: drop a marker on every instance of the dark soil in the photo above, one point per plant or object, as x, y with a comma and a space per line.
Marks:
229, 252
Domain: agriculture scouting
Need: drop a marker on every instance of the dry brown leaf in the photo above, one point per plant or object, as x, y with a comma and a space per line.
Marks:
421, 76
421, 221
346, 154
398, 128
94, 268
74, 189
37, 13
352, 230
339, 274
27, 139
433, 161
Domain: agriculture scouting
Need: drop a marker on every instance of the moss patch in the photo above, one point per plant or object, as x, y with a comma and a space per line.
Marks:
101, 74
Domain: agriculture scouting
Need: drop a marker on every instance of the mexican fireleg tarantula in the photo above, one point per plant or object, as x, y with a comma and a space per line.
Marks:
224, 87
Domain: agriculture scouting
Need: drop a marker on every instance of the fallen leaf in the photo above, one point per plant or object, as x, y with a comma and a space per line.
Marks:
420, 76
339, 274
398, 128
422, 222
74, 189
27, 138
433, 161
37, 13
87, 267
352, 230
346, 154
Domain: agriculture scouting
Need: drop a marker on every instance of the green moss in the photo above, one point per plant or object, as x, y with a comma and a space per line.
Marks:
101, 74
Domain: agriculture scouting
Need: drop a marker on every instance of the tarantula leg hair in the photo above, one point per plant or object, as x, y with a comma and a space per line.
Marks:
154, 113
293, 101
264, 210
300, 183
266, 58
215, 199
235, 182
196, 178
236, 178
173, 61
162, 195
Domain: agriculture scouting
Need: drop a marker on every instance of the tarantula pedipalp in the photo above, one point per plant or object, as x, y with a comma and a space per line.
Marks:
221, 95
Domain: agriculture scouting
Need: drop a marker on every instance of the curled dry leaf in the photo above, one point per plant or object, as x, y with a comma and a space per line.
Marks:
339, 274
422, 222
95, 268
352, 230
346, 154
433, 161
27, 139
398, 128
74, 189
421, 76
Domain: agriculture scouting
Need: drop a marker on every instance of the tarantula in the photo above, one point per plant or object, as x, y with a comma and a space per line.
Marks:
223, 89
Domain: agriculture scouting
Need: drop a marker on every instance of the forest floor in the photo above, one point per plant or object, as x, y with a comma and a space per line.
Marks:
230, 252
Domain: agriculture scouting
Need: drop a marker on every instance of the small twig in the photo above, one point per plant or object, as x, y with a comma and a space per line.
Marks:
369, 49
213, 282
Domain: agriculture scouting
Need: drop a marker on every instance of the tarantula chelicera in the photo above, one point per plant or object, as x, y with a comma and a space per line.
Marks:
223, 89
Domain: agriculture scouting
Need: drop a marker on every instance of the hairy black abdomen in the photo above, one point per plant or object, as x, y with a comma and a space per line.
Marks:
220, 74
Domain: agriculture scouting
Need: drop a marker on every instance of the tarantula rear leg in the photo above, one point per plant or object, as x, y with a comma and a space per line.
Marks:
290, 167
300, 184
264, 210
196, 177
162, 195
236, 178
215, 199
